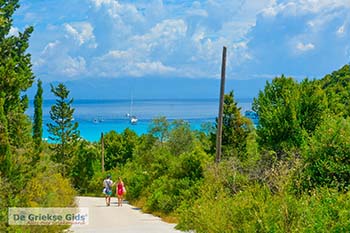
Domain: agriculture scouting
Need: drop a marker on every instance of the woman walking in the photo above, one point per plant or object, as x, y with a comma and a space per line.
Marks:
120, 191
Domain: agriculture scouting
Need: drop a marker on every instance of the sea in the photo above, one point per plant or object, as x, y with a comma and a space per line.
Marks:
102, 116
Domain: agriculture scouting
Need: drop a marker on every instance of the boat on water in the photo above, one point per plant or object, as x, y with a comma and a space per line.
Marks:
97, 120
133, 120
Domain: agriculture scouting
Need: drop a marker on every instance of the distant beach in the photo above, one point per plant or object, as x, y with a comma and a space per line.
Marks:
101, 116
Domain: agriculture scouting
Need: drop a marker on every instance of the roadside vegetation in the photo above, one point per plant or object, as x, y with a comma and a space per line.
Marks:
290, 173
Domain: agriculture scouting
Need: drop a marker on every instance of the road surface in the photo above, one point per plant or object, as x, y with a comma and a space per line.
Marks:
125, 219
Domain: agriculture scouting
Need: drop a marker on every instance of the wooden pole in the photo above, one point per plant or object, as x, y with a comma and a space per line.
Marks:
103, 153
221, 107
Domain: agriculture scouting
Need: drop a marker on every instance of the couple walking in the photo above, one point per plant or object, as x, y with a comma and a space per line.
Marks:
120, 190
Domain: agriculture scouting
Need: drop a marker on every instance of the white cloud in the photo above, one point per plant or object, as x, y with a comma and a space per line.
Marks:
302, 7
197, 10
73, 66
128, 63
150, 68
57, 61
305, 47
182, 38
82, 32
123, 13
168, 30
50, 47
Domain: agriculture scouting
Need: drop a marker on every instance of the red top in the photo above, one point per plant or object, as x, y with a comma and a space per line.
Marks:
120, 188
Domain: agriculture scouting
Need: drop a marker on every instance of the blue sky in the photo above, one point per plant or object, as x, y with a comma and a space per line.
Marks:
82, 39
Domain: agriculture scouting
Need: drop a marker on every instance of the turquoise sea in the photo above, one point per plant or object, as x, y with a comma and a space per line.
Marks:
101, 116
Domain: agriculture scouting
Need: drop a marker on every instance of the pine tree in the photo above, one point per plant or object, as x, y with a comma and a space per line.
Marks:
64, 132
235, 130
38, 117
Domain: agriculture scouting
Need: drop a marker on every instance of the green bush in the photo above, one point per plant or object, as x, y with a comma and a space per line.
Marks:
327, 158
257, 209
136, 181
168, 194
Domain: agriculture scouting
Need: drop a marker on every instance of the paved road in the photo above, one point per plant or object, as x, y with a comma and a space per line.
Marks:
125, 219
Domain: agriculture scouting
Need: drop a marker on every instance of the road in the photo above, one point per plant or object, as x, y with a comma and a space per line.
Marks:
125, 219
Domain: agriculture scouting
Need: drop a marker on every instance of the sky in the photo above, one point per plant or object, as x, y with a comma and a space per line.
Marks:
104, 39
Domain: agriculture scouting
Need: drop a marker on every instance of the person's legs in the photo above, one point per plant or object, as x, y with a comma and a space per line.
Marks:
119, 200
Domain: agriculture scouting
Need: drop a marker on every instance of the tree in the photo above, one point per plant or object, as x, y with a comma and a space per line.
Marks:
235, 129
119, 147
15, 75
337, 88
278, 108
160, 128
289, 112
83, 165
327, 157
5, 156
38, 116
64, 132
313, 105
181, 138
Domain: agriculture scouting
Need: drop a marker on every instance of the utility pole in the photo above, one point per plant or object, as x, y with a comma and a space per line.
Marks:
221, 107
103, 153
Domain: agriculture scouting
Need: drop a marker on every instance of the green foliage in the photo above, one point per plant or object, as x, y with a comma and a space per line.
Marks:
83, 166
119, 147
4, 200
15, 75
257, 209
5, 156
160, 128
278, 109
235, 131
48, 189
166, 176
22, 184
327, 158
190, 165
181, 138
337, 88
137, 181
38, 116
313, 105
95, 185
63, 131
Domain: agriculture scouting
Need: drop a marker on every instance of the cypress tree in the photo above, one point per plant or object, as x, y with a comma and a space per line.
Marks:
15, 77
5, 156
38, 117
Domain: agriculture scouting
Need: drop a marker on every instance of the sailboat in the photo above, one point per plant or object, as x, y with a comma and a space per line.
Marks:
133, 119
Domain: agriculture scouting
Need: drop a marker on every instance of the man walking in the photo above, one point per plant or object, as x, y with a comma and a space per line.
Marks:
108, 183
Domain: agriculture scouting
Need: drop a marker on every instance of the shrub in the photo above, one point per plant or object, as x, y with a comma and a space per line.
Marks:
257, 209
327, 158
